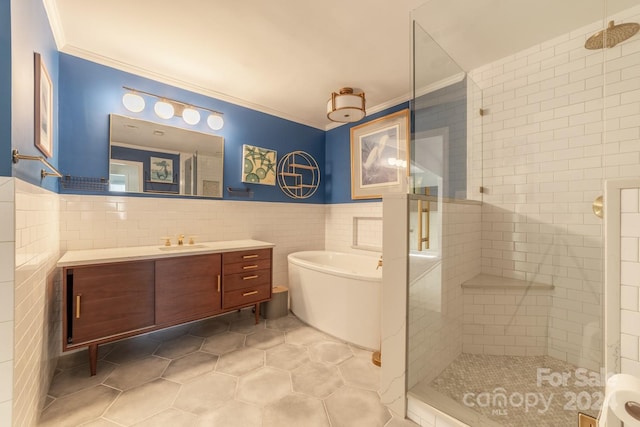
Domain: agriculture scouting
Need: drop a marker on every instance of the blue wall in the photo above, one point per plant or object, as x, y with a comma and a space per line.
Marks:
85, 93
30, 33
5, 87
447, 108
337, 169
89, 92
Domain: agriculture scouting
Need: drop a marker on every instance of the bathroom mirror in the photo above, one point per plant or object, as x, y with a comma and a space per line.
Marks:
148, 157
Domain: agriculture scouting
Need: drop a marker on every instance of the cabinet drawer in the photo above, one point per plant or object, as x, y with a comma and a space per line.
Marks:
246, 296
247, 266
246, 256
233, 282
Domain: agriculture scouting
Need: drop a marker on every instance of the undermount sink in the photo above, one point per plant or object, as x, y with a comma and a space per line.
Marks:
181, 247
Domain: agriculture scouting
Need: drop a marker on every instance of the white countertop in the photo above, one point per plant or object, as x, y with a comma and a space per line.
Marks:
103, 256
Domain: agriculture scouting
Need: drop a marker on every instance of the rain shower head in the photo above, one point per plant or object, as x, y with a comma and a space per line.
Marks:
613, 35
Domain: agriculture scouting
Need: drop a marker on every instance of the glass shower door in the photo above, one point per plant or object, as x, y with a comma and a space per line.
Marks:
516, 298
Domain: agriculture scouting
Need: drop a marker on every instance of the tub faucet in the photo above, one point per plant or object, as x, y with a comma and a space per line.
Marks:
180, 239
379, 262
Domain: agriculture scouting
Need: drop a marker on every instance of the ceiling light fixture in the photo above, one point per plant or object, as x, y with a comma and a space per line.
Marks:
346, 106
166, 108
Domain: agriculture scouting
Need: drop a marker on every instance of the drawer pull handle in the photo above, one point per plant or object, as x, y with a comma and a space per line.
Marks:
246, 294
78, 306
250, 267
255, 276
249, 256
218, 283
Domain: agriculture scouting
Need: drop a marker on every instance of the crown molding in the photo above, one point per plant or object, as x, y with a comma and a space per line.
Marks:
143, 72
162, 78
55, 22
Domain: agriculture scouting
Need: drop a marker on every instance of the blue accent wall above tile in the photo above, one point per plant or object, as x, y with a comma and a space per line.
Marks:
5, 87
30, 32
337, 167
89, 92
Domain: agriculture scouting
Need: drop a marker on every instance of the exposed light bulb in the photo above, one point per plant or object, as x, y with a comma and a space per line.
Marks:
133, 102
191, 116
163, 109
215, 121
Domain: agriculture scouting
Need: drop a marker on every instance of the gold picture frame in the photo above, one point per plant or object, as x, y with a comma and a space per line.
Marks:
43, 103
380, 156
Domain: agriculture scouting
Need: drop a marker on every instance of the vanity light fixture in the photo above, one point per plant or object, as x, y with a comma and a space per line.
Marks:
166, 108
215, 121
346, 106
191, 116
133, 102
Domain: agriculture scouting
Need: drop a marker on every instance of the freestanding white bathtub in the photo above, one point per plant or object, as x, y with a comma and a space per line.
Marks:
338, 293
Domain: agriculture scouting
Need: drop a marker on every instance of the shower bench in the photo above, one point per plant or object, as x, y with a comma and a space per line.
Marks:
490, 281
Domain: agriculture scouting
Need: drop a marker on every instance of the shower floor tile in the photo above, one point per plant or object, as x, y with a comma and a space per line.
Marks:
516, 391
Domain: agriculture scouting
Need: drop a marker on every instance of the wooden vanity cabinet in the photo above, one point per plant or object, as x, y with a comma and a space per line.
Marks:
114, 300
187, 288
247, 278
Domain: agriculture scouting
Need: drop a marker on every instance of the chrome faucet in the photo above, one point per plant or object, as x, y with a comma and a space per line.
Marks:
379, 262
180, 239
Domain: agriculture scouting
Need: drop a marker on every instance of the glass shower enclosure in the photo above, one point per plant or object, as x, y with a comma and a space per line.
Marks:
503, 254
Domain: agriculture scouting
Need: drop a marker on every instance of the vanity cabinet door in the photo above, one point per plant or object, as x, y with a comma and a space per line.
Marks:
109, 299
187, 288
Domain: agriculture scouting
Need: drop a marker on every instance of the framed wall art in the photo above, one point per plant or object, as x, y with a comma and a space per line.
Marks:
379, 156
259, 165
160, 170
43, 103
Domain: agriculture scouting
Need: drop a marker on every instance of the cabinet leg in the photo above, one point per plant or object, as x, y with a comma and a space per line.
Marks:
93, 358
257, 313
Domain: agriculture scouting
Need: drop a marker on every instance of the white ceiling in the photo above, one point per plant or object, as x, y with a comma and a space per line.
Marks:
285, 57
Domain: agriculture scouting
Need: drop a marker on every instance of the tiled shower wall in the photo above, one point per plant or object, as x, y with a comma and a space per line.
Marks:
548, 143
435, 326
36, 304
630, 281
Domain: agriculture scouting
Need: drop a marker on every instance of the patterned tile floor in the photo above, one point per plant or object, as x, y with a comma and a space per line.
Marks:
225, 371
551, 396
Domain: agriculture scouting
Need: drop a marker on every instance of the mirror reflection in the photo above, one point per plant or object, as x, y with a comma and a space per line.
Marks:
147, 157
